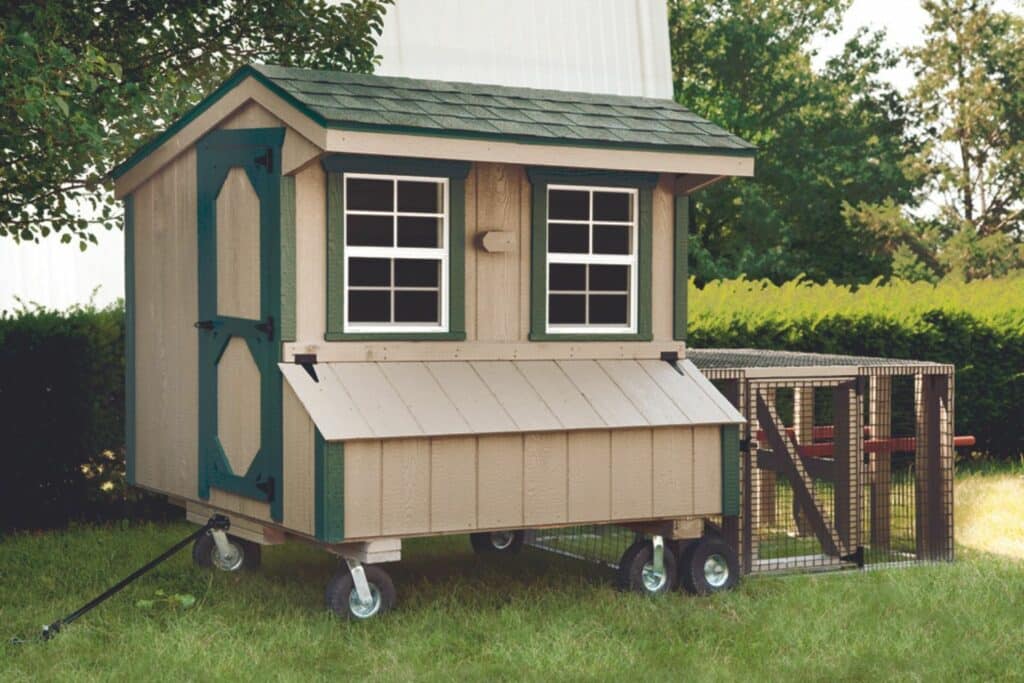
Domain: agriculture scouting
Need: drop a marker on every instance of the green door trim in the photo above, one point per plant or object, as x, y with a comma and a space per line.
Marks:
730, 470
217, 153
680, 266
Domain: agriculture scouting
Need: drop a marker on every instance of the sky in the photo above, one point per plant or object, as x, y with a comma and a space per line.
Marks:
58, 276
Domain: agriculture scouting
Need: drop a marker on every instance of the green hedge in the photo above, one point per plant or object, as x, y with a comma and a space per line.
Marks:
62, 419
62, 376
978, 327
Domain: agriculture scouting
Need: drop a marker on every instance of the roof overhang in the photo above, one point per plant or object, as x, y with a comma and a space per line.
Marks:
249, 85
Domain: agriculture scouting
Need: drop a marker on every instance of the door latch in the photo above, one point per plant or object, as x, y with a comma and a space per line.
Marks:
267, 327
204, 325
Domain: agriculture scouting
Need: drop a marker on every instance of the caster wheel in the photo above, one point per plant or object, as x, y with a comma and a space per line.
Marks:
709, 566
497, 542
343, 599
241, 554
637, 573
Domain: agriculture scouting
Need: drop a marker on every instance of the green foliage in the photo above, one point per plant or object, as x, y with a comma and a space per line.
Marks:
825, 138
977, 326
85, 82
62, 417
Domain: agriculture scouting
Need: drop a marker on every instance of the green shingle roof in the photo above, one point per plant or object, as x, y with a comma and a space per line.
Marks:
336, 99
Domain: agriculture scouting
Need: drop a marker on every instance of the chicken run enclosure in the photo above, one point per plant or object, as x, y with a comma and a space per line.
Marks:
845, 462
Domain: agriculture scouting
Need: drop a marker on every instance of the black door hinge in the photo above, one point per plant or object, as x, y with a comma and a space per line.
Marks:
267, 327
267, 487
266, 160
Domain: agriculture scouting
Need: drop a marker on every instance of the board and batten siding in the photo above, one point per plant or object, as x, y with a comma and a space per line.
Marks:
405, 487
497, 284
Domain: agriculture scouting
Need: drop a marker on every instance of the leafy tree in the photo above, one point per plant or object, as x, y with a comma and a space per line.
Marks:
970, 91
84, 82
825, 138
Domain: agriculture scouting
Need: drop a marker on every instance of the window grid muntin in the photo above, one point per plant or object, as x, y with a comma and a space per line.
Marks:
395, 252
591, 258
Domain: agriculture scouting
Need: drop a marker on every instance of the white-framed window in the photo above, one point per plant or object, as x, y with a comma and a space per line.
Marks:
396, 253
591, 260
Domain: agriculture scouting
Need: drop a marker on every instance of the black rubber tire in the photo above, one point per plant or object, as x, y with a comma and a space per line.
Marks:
341, 585
483, 543
204, 548
691, 568
630, 574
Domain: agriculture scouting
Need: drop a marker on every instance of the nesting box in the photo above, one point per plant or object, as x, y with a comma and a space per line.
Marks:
362, 309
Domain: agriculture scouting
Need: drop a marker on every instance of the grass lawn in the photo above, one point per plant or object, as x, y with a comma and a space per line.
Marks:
536, 617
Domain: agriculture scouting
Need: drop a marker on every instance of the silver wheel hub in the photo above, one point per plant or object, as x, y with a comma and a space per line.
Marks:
364, 610
230, 561
716, 570
653, 579
502, 540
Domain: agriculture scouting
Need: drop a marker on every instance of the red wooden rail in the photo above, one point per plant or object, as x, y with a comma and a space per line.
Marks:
895, 444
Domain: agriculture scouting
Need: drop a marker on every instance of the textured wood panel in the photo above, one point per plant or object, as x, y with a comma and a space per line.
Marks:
424, 398
471, 248
453, 483
500, 481
497, 275
672, 461
376, 400
471, 397
545, 478
238, 405
299, 459
589, 472
662, 247
684, 392
604, 395
238, 247
363, 488
166, 344
632, 473
707, 470
310, 247
645, 394
526, 408
405, 486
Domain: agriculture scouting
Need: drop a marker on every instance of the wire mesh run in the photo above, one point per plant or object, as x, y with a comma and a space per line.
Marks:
601, 544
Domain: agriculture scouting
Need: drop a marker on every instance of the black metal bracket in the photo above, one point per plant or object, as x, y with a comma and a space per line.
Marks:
267, 327
670, 356
308, 363
266, 160
267, 486
204, 324
857, 557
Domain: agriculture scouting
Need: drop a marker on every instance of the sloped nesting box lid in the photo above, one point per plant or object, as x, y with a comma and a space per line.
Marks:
385, 400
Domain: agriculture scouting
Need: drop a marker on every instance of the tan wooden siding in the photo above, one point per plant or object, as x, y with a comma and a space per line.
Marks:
166, 344
238, 405
238, 247
497, 285
397, 487
298, 487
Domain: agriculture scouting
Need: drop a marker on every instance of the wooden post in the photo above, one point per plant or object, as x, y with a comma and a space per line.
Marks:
803, 427
880, 462
933, 464
843, 493
765, 480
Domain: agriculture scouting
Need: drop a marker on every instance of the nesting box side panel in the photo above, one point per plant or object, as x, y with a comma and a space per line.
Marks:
299, 439
166, 357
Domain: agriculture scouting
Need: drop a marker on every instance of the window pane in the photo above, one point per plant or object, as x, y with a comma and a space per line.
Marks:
369, 272
608, 309
568, 239
612, 206
369, 306
416, 307
611, 239
369, 231
417, 273
419, 232
419, 197
571, 205
566, 309
609, 278
366, 194
567, 276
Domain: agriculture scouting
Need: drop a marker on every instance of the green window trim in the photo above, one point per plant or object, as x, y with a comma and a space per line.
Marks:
730, 470
129, 339
329, 489
336, 165
680, 266
540, 178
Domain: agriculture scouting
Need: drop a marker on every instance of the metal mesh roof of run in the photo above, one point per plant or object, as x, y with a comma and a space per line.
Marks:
718, 359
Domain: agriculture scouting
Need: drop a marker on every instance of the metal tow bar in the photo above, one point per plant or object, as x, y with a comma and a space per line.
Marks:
218, 524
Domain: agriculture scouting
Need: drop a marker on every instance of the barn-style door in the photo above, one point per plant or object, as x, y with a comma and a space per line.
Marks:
802, 482
239, 401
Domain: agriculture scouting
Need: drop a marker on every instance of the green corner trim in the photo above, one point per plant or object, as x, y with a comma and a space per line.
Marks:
336, 166
288, 256
542, 176
329, 499
730, 470
129, 339
680, 266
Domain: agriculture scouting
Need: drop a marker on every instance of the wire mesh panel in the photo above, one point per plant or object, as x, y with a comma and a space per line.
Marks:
602, 544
